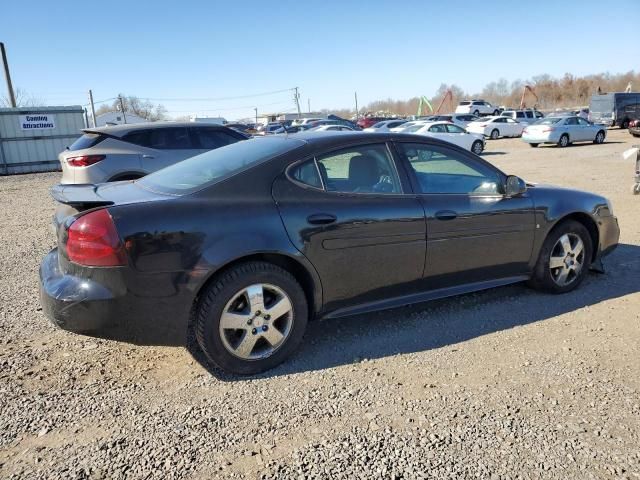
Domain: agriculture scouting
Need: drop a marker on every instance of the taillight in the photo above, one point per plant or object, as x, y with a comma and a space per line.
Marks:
525, 131
93, 241
548, 129
482, 125
84, 160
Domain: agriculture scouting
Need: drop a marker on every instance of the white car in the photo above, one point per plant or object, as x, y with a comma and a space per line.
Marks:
495, 127
304, 121
477, 108
385, 126
451, 133
404, 126
527, 116
460, 119
331, 128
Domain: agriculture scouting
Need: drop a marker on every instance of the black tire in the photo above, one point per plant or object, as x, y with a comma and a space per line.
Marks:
533, 145
476, 113
221, 291
496, 113
599, 137
495, 133
477, 147
564, 140
625, 124
541, 278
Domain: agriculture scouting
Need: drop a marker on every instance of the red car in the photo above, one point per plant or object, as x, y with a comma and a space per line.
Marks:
634, 128
366, 122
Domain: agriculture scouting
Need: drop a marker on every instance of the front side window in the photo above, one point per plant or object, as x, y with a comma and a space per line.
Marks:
443, 171
519, 114
361, 169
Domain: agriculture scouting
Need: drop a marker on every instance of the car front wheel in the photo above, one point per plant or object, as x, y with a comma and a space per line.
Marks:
533, 145
251, 318
477, 147
599, 137
564, 259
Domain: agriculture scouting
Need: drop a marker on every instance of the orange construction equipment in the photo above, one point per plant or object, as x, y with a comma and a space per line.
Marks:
524, 91
448, 95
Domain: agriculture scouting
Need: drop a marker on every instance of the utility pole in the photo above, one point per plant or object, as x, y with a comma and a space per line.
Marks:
7, 76
93, 109
256, 109
309, 104
356, 96
296, 97
124, 115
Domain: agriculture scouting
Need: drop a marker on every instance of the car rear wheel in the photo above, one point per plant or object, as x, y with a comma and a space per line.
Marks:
564, 140
125, 178
477, 147
251, 318
564, 259
599, 137
534, 145
495, 133
496, 113
476, 113
625, 124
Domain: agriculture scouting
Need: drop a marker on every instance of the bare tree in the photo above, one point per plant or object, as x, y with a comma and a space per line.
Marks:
23, 99
132, 104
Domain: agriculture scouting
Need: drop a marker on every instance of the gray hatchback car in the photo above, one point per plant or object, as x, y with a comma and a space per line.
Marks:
130, 151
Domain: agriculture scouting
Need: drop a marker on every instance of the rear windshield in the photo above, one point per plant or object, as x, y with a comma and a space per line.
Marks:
87, 140
465, 103
214, 166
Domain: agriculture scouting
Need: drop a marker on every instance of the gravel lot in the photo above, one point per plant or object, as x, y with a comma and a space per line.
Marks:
507, 384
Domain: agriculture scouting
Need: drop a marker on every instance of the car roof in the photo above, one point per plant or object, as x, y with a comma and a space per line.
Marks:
123, 129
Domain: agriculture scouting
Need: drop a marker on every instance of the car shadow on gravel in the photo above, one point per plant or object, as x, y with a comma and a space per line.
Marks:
436, 324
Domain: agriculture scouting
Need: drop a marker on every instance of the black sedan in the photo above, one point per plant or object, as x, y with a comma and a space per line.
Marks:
257, 238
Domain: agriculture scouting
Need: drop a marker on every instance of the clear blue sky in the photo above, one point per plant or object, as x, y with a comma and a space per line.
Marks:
210, 49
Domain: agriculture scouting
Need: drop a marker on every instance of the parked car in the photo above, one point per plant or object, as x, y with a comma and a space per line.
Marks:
404, 126
613, 109
271, 128
304, 121
242, 128
319, 123
331, 128
477, 108
450, 132
634, 128
496, 127
366, 122
527, 116
460, 119
563, 131
257, 238
130, 151
385, 126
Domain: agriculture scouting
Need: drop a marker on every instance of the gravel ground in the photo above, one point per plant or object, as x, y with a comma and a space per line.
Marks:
508, 384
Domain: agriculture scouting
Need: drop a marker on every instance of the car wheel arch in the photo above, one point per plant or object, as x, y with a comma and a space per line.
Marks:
308, 280
588, 222
132, 175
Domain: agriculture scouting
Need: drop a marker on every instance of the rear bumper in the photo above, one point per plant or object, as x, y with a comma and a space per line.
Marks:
116, 303
73, 303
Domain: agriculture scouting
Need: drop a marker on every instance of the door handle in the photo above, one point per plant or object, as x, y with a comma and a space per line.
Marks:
446, 215
321, 218
148, 156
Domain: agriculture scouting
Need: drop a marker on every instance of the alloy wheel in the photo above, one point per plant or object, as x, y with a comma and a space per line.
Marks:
567, 259
256, 321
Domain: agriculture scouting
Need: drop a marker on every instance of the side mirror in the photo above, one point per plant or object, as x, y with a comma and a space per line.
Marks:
514, 186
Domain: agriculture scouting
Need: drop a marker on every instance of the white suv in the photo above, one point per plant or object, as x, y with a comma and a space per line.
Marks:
477, 108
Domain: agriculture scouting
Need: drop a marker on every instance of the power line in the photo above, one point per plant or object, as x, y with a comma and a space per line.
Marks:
247, 107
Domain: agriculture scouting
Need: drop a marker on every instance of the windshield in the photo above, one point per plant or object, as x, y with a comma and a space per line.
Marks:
413, 128
549, 121
214, 166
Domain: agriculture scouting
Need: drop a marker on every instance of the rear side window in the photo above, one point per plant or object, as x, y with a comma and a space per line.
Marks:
173, 138
519, 114
308, 174
87, 140
210, 138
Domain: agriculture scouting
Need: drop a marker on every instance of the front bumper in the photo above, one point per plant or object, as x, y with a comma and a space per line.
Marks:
609, 234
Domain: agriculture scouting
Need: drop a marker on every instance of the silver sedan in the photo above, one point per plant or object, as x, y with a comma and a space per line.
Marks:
563, 131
